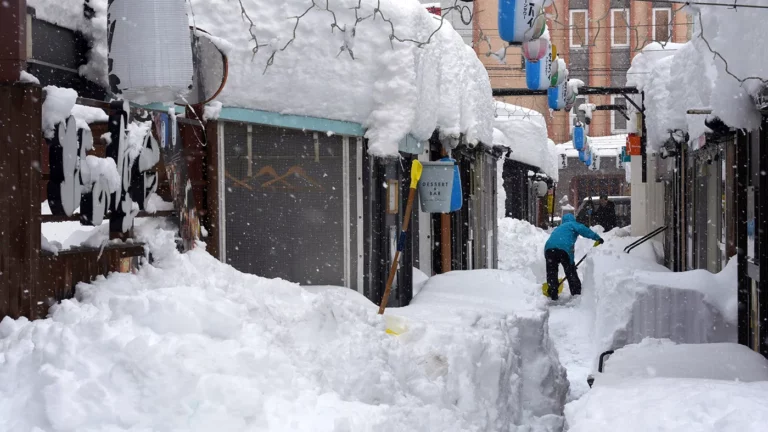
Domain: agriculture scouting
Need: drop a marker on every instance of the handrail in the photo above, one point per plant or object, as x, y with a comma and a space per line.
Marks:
600, 366
601, 362
645, 238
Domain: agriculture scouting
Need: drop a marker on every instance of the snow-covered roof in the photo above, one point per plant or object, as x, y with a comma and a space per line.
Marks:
525, 132
695, 75
392, 88
609, 146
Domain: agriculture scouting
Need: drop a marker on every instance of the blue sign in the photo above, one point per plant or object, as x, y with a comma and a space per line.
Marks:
456, 193
521, 20
538, 74
556, 96
578, 137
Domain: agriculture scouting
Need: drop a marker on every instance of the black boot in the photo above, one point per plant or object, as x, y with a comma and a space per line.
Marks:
553, 293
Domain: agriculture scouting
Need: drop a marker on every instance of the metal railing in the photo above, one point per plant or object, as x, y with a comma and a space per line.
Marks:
645, 238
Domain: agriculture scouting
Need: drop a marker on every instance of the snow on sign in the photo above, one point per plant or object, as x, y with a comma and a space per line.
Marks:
150, 52
521, 20
67, 152
135, 152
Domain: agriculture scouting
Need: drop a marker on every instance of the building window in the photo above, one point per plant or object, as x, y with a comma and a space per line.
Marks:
662, 24
620, 27
618, 121
579, 28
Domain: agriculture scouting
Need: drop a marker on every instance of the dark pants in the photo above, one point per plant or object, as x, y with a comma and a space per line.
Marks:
556, 257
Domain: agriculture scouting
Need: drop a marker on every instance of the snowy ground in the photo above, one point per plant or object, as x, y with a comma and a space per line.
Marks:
654, 384
190, 344
521, 249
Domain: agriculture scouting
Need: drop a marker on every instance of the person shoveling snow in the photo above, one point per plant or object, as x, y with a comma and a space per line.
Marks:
559, 249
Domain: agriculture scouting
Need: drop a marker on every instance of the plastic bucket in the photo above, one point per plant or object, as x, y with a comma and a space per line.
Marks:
436, 186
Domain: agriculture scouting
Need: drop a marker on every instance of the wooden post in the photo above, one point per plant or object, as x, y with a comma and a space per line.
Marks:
20, 120
13, 39
445, 236
212, 189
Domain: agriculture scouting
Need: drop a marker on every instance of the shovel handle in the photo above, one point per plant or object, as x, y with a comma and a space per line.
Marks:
400, 248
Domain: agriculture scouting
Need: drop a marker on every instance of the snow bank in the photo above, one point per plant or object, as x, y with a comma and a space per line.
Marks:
506, 321
191, 344
667, 404
525, 132
634, 298
521, 248
662, 358
392, 88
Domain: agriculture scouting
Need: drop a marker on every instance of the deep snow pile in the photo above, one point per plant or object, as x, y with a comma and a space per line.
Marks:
506, 306
392, 88
662, 358
191, 344
634, 297
521, 248
662, 386
695, 75
524, 131
671, 405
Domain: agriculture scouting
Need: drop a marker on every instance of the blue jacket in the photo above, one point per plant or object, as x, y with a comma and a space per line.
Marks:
564, 237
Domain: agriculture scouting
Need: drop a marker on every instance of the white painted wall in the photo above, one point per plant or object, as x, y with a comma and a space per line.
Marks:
647, 198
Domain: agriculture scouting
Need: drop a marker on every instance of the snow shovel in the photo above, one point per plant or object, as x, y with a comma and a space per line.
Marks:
416, 169
545, 286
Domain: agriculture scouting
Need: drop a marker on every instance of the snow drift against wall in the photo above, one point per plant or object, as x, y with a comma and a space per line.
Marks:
390, 87
635, 298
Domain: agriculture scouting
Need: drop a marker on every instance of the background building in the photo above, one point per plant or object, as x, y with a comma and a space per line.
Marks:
596, 38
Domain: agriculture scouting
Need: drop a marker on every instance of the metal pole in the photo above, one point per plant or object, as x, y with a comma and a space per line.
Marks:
644, 143
744, 288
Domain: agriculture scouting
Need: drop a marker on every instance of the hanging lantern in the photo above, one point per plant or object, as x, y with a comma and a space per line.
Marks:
538, 74
559, 72
150, 51
535, 49
556, 96
578, 137
521, 20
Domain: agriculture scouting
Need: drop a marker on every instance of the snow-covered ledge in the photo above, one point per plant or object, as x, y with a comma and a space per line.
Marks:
634, 299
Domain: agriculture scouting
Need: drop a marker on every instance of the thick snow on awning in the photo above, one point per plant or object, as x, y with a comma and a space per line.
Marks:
722, 68
392, 88
609, 146
525, 132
